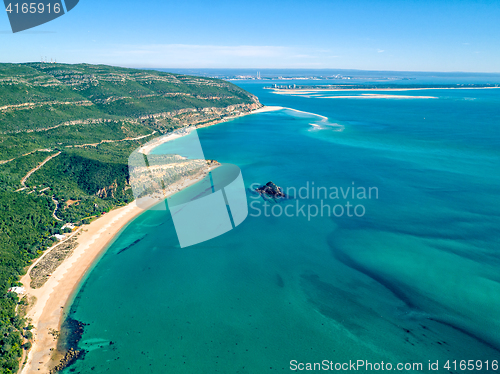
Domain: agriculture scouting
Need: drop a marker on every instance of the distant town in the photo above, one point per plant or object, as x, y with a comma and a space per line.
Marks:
258, 76
281, 76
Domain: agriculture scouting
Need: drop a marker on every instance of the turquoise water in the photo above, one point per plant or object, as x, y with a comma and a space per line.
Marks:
415, 278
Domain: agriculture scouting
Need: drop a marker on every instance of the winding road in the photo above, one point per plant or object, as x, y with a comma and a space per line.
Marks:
23, 181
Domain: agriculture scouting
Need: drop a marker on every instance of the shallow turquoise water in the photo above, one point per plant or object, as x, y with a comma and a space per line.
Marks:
416, 278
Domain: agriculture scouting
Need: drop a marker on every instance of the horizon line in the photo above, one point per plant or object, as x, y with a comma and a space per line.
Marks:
267, 68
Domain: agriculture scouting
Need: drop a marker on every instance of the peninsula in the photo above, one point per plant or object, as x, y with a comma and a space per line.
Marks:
291, 88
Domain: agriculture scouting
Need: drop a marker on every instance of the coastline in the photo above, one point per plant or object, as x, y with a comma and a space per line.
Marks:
47, 313
292, 91
379, 96
265, 109
262, 109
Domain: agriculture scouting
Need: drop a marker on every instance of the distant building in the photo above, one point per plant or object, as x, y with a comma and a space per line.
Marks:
18, 290
69, 226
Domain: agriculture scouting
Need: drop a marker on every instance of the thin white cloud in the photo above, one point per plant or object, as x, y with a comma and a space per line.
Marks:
380, 51
305, 56
211, 50
192, 55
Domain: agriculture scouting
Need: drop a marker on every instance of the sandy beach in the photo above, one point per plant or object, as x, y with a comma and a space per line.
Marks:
262, 109
51, 298
46, 314
265, 109
379, 96
148, 147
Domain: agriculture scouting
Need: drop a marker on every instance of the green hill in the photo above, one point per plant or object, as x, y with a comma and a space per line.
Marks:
83, 121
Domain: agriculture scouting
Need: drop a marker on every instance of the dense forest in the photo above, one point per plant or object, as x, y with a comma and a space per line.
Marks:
66, 132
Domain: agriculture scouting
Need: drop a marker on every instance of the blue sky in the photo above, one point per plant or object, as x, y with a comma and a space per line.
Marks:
373, 35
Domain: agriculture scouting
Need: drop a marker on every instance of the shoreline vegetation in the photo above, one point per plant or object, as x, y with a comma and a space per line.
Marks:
47, 312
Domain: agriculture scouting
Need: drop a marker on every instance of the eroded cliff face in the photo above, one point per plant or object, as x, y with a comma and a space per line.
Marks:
107, 191
198, 116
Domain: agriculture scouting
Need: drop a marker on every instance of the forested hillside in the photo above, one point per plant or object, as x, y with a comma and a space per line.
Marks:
66, 132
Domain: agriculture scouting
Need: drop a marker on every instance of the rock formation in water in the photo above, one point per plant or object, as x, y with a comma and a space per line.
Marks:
271, 191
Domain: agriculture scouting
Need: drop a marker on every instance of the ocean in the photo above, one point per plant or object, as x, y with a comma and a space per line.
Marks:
389, 250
